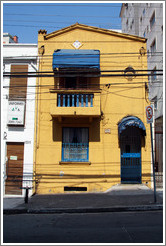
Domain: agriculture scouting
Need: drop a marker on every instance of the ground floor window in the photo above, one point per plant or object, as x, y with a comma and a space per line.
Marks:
75, 144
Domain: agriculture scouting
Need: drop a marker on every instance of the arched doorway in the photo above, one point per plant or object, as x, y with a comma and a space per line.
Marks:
131, 130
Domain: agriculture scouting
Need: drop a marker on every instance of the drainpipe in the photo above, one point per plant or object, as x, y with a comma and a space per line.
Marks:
35, 144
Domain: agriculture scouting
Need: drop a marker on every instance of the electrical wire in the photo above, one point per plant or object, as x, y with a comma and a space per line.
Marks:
105, 55
85, 76
70, 5
82, 71
86, 16
86, 23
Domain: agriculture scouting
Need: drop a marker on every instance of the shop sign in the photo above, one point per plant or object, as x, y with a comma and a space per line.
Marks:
16, 110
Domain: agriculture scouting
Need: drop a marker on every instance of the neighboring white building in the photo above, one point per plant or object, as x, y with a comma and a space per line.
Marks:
18, 105
146, 20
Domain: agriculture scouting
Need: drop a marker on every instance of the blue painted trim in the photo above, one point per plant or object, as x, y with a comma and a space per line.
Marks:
64, 96
131, 155
86, 96
68, 100
59, 100
91, 100
72, 100
131, 121
82, 100
77, 100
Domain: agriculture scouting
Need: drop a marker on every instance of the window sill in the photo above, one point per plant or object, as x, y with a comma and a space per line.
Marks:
75, 163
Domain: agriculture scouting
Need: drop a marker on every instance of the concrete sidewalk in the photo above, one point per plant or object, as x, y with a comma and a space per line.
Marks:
118, 198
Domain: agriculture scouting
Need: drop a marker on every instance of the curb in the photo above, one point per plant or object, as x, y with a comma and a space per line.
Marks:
83, 210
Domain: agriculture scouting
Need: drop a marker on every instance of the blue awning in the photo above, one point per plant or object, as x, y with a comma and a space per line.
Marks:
131, 121
66, 58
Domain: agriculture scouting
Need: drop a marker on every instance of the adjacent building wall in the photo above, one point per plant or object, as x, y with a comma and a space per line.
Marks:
150, 25
20, 54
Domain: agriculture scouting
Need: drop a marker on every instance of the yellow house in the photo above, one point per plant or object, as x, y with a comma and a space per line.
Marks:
91, 130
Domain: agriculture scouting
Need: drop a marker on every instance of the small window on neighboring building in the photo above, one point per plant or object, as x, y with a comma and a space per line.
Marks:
18, 86
152, 20
144, 12
144, 34
153, 73
141, 19
153, 47
148, 55
155, 102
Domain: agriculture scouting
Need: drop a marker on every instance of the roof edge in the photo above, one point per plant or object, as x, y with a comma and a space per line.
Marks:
96, 29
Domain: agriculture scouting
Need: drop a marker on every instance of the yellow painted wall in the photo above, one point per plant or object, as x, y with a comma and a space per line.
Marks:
121, 99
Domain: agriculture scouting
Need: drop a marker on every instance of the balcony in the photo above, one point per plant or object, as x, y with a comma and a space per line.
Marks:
74, 103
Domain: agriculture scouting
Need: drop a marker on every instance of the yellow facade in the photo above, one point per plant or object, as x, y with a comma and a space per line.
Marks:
116, 98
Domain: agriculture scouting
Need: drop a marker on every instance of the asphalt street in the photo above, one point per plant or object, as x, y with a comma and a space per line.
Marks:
116, 227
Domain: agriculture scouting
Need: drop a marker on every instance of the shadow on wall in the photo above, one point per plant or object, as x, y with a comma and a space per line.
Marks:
94, 127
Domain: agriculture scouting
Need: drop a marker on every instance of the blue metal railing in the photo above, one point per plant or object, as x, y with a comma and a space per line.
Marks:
75, 100
75, 152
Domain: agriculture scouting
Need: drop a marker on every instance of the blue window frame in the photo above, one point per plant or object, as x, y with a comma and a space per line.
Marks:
75, 144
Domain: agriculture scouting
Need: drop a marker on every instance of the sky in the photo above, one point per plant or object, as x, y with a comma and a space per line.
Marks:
26, 19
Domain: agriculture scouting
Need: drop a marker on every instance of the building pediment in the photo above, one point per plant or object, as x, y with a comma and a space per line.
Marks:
92, 29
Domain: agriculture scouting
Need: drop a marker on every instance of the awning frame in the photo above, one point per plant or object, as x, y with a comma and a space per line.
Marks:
131, 121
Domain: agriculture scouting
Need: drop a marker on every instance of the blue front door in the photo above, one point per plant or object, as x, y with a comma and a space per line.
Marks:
130, 142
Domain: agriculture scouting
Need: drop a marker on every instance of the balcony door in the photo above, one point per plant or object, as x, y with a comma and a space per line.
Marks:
70, 82
73, 83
